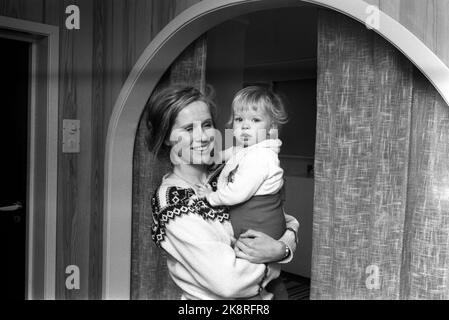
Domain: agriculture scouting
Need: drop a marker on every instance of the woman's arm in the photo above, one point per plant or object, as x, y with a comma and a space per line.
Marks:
290, 237
258, 247
208, 262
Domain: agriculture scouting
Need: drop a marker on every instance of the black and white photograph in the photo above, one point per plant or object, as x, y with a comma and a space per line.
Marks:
232, 150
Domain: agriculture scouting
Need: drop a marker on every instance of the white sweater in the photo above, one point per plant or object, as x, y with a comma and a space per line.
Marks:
251, 171
198, 240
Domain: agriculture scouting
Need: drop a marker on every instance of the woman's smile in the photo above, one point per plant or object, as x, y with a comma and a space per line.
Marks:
202, 148
192, 134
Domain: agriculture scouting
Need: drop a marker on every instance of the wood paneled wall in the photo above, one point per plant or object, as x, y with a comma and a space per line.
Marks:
75, 102
427, 19
94, 63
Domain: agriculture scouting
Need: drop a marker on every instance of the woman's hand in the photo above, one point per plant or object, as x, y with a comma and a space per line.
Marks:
257, 247
202, 191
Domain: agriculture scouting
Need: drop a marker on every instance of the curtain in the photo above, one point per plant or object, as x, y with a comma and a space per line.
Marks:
426, 258
381, 203
149, 274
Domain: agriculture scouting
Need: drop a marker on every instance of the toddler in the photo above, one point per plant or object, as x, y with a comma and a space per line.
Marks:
251, 181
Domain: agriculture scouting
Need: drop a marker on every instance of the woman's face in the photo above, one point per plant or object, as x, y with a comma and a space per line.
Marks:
192, 135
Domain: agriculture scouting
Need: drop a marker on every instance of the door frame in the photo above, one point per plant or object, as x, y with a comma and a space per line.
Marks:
153, 62
42, 152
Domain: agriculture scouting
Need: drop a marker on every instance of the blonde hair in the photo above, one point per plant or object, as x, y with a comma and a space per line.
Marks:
260, 98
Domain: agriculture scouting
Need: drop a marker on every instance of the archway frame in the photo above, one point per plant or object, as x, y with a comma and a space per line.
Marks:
141, 82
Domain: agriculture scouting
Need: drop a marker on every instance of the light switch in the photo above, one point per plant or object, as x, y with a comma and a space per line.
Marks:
70, 136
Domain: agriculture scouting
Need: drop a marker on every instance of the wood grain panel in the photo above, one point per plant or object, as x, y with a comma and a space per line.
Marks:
391, 7
74, 180
416, 14
373, 2
131, 27
32, 10
181, 5
53, 13
441, 30
99, 129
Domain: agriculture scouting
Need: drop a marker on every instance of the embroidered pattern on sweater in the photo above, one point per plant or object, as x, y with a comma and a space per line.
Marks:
181, 201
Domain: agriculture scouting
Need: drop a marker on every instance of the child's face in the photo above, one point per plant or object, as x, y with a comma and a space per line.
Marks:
251, 126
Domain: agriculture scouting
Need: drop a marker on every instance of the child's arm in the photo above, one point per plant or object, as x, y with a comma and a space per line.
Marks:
249, 176
224, 155
273, 144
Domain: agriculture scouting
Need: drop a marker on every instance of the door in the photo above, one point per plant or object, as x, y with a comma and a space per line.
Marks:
14, 63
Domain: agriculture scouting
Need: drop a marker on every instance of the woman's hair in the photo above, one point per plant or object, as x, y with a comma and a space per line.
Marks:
163, 109
260, 98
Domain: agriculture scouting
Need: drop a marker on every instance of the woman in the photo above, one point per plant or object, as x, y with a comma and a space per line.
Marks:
204, 259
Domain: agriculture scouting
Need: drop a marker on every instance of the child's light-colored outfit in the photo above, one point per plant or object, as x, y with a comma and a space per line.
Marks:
250, 183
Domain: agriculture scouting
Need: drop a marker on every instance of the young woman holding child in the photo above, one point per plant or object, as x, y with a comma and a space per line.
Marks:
204, 258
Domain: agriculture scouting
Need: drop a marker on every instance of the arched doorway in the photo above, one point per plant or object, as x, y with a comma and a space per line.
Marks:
143, 79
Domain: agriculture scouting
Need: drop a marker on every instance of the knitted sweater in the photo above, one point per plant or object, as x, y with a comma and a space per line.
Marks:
198, 239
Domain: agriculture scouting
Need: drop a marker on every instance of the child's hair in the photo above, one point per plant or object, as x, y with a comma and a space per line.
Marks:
260, 98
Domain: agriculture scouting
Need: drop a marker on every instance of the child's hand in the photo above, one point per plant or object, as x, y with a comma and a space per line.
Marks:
273, 144
203, 190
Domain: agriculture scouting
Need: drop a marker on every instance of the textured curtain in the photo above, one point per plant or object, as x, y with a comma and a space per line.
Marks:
149, 274
381, 206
